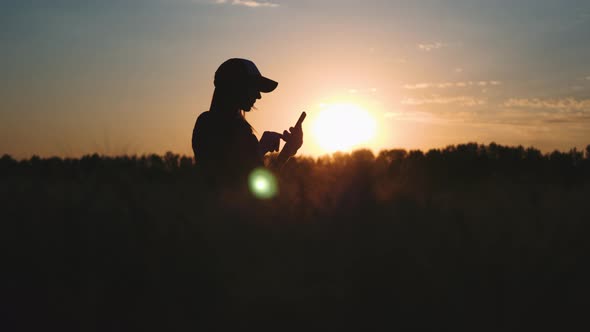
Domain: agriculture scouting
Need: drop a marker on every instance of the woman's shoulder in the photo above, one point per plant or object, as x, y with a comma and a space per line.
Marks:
231, 126
207, 119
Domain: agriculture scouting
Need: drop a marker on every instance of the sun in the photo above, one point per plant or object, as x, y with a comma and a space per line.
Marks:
340, 127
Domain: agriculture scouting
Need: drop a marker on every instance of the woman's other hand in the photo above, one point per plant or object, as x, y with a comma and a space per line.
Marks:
269, 142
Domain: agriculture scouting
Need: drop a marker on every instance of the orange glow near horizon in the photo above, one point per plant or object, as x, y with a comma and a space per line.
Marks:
410, 79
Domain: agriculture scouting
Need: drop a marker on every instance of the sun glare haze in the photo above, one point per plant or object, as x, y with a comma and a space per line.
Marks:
341, 127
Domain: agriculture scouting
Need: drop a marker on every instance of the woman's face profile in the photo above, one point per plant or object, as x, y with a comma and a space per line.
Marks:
248, 98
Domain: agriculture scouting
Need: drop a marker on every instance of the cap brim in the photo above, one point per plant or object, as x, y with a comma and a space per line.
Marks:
266, 84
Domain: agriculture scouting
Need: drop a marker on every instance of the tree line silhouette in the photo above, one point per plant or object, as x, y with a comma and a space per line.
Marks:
468, 237
463, 160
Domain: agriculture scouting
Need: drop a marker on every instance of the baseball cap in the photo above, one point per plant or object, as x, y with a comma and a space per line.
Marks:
241, 72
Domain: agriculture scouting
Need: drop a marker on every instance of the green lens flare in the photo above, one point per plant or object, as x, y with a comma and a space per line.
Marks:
262, 183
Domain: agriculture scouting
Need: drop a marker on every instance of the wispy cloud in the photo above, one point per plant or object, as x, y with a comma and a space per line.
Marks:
451, 85
423, 117
521, 114
528, 117
417, 86
562, 104
583, 17
455, 116
248, 3
431, 46
458, 100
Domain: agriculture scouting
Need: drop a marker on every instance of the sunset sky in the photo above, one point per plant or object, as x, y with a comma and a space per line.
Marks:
131, 76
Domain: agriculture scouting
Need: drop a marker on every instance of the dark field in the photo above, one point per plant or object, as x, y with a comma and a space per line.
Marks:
471, 237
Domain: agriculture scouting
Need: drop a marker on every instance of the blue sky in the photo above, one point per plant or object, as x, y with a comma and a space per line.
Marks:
128, 76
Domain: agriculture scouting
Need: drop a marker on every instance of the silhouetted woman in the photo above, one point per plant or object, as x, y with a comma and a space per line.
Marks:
224, 145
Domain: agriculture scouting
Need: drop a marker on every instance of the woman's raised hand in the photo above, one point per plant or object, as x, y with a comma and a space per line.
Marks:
294, 139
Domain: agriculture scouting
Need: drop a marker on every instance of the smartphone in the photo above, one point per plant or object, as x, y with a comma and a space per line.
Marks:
301, 118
